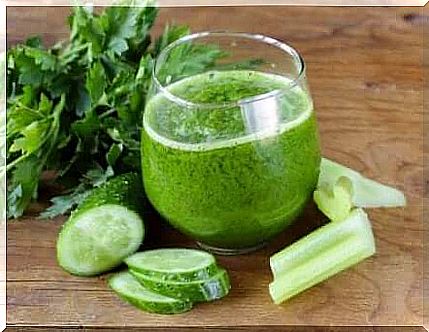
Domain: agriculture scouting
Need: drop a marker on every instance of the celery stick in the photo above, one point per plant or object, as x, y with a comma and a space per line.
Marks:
328, 236
366, 192
321, 254
335, 203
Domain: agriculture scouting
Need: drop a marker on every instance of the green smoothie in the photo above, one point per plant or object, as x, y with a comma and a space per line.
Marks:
234, 175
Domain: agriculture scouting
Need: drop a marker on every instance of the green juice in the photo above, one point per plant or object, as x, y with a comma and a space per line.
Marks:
230, 177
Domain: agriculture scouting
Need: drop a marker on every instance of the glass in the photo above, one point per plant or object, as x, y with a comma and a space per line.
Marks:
230, 148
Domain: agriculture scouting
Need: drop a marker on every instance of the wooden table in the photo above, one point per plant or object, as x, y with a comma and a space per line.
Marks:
365, 73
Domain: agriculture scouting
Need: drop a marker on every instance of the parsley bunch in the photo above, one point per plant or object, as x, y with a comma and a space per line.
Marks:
76, 108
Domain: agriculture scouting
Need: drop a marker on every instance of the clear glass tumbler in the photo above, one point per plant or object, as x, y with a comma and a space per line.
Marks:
230, 148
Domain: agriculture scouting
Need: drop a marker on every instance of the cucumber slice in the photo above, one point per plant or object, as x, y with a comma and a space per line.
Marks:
104, 230
129, 289
366, 193
321, 254
204, 290
174, 264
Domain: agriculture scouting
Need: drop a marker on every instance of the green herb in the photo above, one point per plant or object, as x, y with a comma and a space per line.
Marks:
76, 108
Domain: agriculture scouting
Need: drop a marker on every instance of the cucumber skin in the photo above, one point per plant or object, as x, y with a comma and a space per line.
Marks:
158, 308
203, 274
125, 190
204, 291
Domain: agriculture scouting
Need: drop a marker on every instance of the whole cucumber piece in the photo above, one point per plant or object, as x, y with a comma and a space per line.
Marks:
106, 228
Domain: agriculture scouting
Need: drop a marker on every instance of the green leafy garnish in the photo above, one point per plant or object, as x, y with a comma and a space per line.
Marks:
76, 108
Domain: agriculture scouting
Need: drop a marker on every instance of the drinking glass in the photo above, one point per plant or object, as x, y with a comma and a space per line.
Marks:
230, 146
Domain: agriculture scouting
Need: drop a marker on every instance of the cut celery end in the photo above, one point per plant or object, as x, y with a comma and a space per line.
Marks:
336, 203
366, 193
321, 254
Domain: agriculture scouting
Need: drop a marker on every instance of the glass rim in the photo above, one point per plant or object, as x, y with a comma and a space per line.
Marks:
286, 48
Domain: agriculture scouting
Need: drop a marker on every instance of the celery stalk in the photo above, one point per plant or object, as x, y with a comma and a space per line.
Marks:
335, 203
321, 254
366, 193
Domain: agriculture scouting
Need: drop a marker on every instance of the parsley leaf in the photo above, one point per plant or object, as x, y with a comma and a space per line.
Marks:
31, 137
76, 108
61, 204
96, 82
23, 186
186, 59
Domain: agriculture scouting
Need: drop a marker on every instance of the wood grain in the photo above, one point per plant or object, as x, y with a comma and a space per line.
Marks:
364, 67
234, 328
196, 3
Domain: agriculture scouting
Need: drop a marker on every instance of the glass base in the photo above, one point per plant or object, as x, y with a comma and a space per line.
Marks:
229, 251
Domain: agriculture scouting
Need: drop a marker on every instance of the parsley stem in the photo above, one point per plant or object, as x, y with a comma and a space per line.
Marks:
107, 113
10, 165
51, 135
29, 110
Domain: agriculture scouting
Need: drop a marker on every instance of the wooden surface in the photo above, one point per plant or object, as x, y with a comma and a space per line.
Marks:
187, 3
365, 73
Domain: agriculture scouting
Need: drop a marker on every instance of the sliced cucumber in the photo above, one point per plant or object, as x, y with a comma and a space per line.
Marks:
321, 254
204, 290
173, 264
104, 230
130, 290
366, 193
